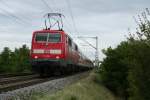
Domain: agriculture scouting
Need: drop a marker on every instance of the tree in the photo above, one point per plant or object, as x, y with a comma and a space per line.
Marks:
126, 68
16, 61
114, 70
23, 58
5, 59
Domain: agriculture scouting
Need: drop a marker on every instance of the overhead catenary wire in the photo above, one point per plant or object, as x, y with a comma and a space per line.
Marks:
45, 3
6, 16
27, 19
10, 14
67, 25
17, 19
71, 14
67, 28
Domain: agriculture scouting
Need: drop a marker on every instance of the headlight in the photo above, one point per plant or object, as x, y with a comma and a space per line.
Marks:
55, 51
38, 51
35, 57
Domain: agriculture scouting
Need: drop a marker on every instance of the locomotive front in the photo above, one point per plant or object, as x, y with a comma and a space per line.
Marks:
47, 50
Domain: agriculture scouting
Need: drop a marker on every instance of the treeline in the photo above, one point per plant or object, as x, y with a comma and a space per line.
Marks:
15, 61
126, 68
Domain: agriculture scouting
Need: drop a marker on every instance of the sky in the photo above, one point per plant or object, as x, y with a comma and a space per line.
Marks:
107, 19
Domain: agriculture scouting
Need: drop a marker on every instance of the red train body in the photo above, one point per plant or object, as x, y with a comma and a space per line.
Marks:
54, 50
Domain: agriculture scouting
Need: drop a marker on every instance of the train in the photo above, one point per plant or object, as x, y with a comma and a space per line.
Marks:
55, 51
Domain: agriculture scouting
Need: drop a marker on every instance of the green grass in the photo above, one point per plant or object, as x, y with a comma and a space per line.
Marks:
89, 88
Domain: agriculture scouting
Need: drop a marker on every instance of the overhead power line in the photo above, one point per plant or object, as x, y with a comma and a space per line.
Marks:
17, 19
45, 3
71, 14
95, 47
10, 14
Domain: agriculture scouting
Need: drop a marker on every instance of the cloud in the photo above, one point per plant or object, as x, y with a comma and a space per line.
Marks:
111, 6
109, 20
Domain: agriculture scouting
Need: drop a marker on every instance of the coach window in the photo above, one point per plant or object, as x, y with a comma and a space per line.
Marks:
76, 47
69, 42
66, 39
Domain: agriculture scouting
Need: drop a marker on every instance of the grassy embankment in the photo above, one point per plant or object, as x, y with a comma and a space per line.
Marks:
89, 88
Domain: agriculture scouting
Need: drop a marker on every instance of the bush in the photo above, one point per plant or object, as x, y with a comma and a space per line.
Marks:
126, 68
5, 60
114, 70
139, 71
14, 62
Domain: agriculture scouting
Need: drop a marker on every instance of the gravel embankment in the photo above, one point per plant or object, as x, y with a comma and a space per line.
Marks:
46, 87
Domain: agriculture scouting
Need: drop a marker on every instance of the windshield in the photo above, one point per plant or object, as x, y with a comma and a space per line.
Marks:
48, 37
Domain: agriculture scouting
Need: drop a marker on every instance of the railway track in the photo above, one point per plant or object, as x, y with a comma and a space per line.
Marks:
13, 75
47, 85
8, 80
8, 83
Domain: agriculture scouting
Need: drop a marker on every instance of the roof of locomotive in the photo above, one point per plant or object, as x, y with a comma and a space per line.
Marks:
53, 31
48, 30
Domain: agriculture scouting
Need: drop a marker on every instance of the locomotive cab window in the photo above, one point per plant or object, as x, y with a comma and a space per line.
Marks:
54, 37
69, 42
41, 37
50, 37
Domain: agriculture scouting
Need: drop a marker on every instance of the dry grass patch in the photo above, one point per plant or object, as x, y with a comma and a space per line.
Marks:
85, 89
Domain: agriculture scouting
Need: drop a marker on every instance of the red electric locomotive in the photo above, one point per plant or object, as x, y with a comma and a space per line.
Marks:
54, 50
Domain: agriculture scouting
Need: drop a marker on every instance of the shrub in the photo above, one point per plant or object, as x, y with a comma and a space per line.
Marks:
16, 61
114, 69
126, 68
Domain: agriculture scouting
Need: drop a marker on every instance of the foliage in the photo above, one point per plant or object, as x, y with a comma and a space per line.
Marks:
139, 71
126, 68
5, 59
16, 61
114, 70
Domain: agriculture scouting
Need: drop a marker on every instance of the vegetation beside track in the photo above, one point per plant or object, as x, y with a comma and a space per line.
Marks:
16, 61
126, 68
89, 88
